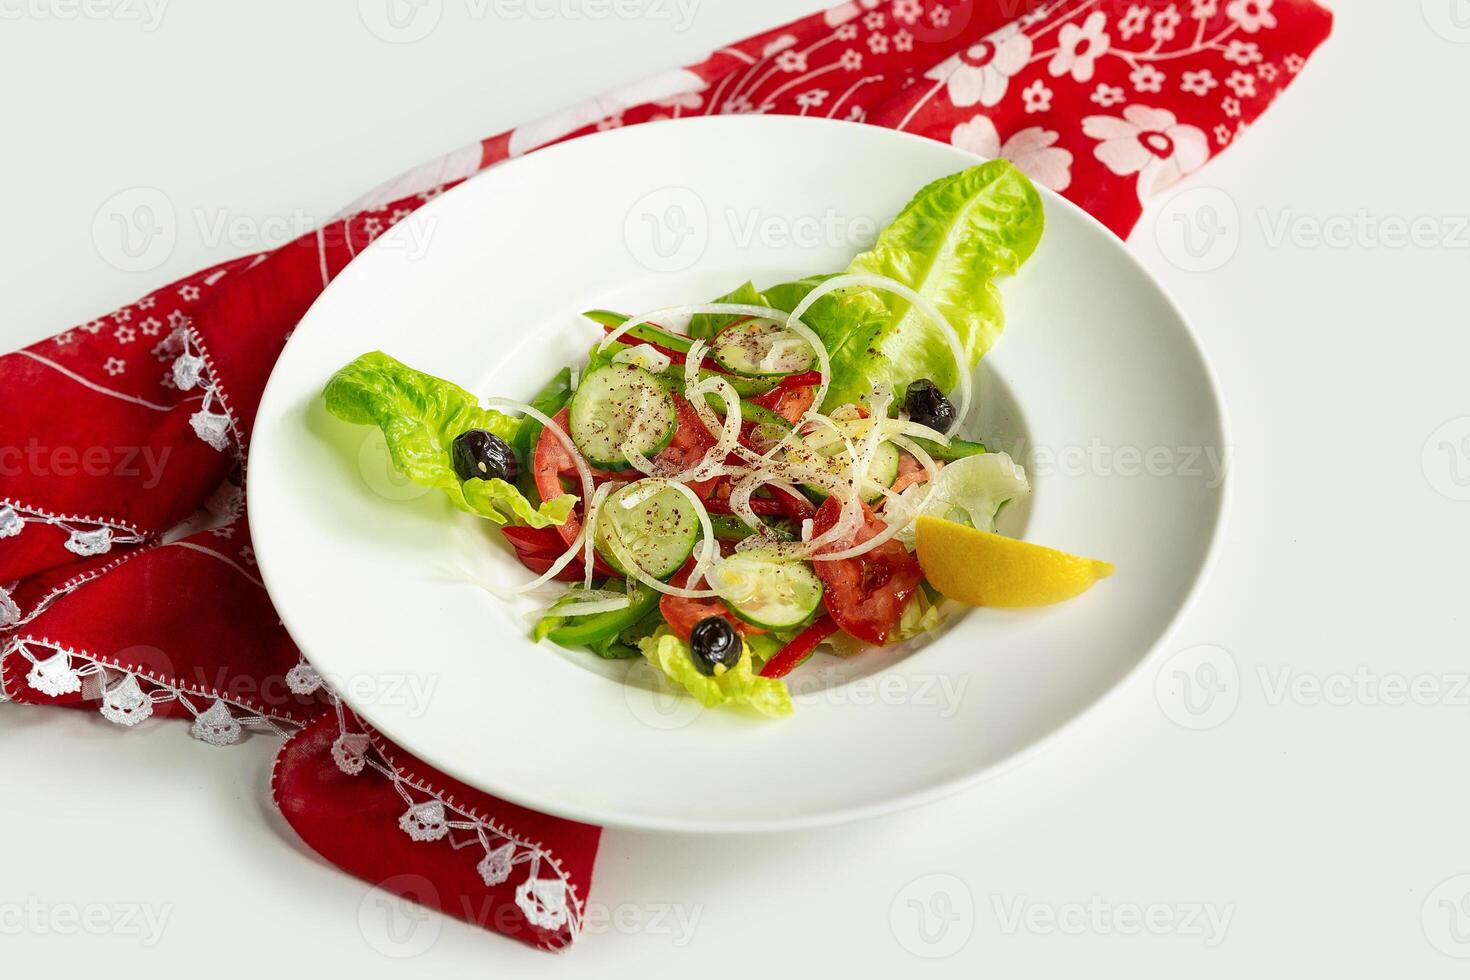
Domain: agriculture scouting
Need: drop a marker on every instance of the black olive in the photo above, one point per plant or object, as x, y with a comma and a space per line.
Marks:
714, 641
927, 405
482, 455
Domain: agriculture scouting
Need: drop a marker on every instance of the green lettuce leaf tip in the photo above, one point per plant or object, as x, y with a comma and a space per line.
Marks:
420, 416
740, 685
950, 244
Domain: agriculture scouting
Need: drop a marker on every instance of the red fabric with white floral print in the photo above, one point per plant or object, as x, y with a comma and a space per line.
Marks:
122, 442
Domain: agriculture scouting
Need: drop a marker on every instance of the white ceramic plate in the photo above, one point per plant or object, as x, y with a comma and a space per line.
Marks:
1097, 385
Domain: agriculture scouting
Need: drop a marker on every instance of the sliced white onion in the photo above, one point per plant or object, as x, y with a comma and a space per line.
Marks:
893, 527
589, 602
673, 313
590, 516
771, 362
556, 566
645, 356
951, 337
852, 503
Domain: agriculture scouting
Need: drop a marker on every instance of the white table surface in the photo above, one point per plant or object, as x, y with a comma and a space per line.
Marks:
1317, 828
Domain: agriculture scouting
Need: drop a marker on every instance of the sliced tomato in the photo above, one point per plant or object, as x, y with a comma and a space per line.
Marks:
549, 463
789, 403
910, 472
691, 439
683, 615
539, 548
866, 595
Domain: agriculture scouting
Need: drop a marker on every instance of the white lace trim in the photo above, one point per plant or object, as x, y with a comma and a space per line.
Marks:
550, 903
546, 897
88, 536
214, 422
128, 696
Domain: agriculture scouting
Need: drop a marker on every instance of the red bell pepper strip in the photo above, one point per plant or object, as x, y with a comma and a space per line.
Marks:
792, 654
807, 379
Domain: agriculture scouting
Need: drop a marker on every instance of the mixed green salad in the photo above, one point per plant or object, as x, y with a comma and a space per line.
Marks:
725, 487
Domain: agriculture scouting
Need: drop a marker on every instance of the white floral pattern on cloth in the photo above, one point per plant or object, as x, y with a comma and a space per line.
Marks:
1033, 151
1150, 143
982, 73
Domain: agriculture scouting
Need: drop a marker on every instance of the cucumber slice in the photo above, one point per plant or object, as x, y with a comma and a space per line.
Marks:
610, 404
762, 348
770, 594
883, 470
657, 534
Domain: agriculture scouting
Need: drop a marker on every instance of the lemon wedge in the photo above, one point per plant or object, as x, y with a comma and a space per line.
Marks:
984, 569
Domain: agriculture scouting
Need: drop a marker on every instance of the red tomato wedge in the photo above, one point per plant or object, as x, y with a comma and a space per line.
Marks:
539, 548
866, 595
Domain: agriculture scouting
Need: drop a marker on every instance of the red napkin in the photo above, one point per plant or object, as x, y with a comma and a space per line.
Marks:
125, 561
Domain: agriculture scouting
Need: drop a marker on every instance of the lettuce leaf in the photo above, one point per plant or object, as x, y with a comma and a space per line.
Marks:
740, 685
968, 491
949, 244
420, 416
706, 325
